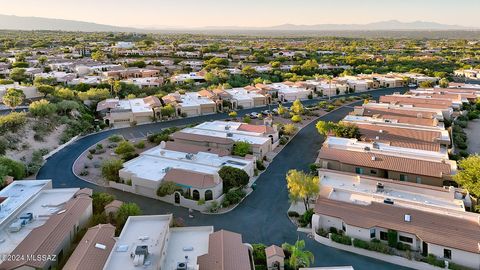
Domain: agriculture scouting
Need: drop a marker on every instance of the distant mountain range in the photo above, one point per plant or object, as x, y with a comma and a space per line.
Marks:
37, 23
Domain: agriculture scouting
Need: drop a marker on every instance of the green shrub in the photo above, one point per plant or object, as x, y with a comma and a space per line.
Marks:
241, 149
296, 118
455, 266
110, 169
322, 232
140, 145
10, 167
166, 188
342, 239
99, 146
259, 256
471, 115
260, 165
330, 108
284, 140
115, 138
432, 259
92, 150
306, 218
462, 124
333, 230
392, 237
293, 214
233, 197
233, 177
12, 122
402, 246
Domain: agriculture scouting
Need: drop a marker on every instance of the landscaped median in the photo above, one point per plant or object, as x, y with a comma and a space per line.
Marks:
393, 251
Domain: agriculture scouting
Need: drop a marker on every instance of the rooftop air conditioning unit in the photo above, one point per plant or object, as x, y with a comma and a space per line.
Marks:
380, 187
229, 134
366, 148
388, 201
380, 131
141, 250
181, 266
227, 127
374, 158
375, 145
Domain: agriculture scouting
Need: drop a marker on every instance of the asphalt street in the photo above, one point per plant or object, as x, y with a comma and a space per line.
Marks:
261, 217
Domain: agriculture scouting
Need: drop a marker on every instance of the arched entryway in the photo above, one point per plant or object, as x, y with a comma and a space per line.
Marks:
196, 195
208, 195
177, 197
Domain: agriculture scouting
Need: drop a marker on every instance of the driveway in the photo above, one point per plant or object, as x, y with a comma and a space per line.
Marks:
261, 217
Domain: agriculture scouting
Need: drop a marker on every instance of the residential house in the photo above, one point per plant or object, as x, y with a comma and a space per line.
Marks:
49, 243
408, 214
386, 161
149, 242
194, 169
191, 103
242, 98
221, 134
93, 250
121, 112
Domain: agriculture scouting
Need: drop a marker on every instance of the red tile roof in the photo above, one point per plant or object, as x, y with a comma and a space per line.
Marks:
225, 252
190, 178
48, 238
393, 163
88, 257
443, 230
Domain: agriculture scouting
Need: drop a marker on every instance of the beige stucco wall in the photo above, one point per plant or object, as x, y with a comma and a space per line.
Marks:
461, 257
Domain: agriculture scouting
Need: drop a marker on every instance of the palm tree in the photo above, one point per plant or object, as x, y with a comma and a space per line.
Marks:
298, 256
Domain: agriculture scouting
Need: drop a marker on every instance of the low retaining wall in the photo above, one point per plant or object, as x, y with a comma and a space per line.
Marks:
60, 147
376, 255
184, 202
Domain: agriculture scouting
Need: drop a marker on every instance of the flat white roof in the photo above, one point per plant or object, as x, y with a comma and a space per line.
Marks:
363, 190
18, 194
223, 134
135, 105
150, 231
225, 126
283, 88
154, 163
45, 203
242, 94
193, 99
185, 245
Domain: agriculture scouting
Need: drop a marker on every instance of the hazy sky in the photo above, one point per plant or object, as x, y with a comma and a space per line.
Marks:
246, 12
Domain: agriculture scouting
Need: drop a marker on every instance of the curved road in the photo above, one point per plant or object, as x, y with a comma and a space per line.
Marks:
260, 218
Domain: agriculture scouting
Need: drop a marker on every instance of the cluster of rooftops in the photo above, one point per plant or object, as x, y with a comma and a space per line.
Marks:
398, 176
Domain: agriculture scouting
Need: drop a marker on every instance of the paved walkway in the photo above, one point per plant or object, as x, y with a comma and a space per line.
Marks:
261, 217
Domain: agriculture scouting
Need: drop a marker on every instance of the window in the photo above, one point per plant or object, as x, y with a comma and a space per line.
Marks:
372, 233
358, 170
373, 171
447, 254
419, 180
405, 239
208, 195
403, 177
196, 195
384, 236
